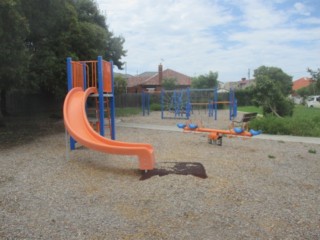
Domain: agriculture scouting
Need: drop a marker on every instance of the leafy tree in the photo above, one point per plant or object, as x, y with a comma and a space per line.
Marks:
105, 43
271, 91
120, 85
244, 96
36, 36
53, 29
62, 28
205, 81
13, 54
316, 76
169, 83
312, 89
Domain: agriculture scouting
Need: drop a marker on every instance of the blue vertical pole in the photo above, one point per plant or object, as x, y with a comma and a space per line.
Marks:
162, 102
231, 100
101, 98
113, 106
175, 104
69, 78
215, 103
84, 77
188, 107
235, 108
143, 103
148, 102
69, 73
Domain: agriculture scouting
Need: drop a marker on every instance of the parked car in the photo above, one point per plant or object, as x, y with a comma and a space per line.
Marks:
313, 101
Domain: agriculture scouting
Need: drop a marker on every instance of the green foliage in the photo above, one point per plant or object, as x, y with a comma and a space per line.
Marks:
169, 83
155, 107
284, 107
271, 91
205, 81
282, 80
59, 29
316, 76
13, 52
120, 85
244, 96
304, 122
312, 89
313, 151
250, 109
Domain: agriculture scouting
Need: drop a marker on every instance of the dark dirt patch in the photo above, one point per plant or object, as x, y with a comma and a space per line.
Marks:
180, 168
24, 129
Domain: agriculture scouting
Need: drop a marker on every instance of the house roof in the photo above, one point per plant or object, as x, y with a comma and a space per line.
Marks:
243, 83
149, 79
301, 83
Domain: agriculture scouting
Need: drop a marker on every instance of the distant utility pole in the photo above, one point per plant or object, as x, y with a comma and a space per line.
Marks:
248, 73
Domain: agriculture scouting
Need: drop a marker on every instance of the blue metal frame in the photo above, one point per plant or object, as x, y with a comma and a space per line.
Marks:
113, 106
100, 97
162, 102
215, 96
69, 78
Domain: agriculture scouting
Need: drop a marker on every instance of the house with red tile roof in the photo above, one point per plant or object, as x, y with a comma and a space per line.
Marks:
152, 81
302, 83
299, 84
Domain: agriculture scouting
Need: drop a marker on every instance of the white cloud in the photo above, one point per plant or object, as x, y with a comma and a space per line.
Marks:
261, 14
302, 9
196, 36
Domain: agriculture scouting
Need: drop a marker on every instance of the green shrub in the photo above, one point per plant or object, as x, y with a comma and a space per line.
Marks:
286, 126
155, 107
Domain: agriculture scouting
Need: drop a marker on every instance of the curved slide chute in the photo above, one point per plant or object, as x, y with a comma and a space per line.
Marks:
78, 126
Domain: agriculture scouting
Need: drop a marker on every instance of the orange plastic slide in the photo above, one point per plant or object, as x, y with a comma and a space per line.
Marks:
78, 126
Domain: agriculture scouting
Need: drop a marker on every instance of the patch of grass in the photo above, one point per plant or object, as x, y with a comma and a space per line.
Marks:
313, 151
250, 109
304, 122
129, 111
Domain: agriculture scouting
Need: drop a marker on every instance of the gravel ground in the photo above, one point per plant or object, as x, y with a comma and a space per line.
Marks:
255, 188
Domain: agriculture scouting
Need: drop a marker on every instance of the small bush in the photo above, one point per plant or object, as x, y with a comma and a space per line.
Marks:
155, 107
287, 126
304, 122
313, 151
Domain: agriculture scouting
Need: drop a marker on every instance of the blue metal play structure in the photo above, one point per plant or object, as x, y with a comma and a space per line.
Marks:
232, 104
176, 102
99, 74
179, 104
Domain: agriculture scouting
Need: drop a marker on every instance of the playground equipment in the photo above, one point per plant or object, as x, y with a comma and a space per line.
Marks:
176, 102
145, 100
232, 103
95, 79
180, 104
215, 135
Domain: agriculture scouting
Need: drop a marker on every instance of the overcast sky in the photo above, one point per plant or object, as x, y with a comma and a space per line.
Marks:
225, 36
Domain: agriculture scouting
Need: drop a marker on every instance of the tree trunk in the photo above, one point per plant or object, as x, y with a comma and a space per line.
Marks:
274, 111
